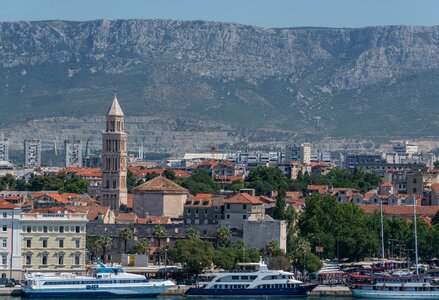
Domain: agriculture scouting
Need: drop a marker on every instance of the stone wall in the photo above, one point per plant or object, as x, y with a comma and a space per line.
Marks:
258, 234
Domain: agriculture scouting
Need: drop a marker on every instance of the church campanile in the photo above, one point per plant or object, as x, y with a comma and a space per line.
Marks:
114, 159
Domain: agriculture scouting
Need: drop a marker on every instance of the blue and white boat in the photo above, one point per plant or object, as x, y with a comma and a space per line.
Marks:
251, 279
104, 282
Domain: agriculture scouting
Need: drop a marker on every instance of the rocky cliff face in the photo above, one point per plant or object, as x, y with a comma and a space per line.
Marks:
322, 78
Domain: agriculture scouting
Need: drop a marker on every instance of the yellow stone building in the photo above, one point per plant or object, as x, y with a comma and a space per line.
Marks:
53, 242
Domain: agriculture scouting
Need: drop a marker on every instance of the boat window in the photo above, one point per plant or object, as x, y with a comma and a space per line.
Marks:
253, 277
244, 277
235, 277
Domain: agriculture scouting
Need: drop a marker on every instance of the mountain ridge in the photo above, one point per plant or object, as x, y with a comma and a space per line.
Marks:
329, 81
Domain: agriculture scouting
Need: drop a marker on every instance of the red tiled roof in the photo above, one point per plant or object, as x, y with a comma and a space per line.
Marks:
160, 183
267, 200
320, 164
85, 172
57, 197
14, 198
203, 196
405, 210
138, 172
153, 220
181, 173
6, 205
244, 198
126, 217
289, 196
386, 184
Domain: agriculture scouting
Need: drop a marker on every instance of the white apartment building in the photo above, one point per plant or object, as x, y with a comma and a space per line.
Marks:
10, 242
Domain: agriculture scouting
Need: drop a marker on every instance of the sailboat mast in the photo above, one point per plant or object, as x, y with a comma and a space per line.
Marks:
416, 237
382, 234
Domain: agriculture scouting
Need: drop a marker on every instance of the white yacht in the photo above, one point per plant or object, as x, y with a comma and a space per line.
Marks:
104, 282
251, 279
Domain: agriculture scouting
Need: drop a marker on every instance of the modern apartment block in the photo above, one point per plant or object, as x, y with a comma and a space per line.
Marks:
53, 242
32, 153
4, 150
300, 153
10, 244
73, 150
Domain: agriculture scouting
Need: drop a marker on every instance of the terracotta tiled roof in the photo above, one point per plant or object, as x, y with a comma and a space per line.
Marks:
181, 173
267, 200
160, 183
140, 173
404, 210
204, 196
204, 202
244, 198
12, 198
320, 164
57, 197
131, 217
84, 172
6, 205
386, 184
153, 220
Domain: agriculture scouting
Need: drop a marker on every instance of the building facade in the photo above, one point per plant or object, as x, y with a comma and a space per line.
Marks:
300, 153
73, 150
4, 150
53, 242
114, 159
10, 246
32, 153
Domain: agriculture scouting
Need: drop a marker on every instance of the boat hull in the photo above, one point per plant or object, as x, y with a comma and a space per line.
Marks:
382, 294
274, 292
105, 292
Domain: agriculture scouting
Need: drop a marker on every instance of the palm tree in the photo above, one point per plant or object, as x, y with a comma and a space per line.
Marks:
192, 233
239, 245
105, 242
126, 234
223, 235
159, 233
143, 246
92, 246
271, 248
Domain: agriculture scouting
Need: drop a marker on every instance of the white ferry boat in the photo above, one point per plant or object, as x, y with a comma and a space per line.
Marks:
394, 287
105, 282
251, 279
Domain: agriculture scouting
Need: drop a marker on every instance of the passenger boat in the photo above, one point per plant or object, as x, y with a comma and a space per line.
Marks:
377, 286
104, 282
251, 279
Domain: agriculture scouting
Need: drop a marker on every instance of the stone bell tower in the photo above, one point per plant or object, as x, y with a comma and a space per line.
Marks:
114, 159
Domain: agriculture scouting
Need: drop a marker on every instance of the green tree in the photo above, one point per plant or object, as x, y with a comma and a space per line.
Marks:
194, 254
126, 234
280, 262
142, 247
192, 233
225, 258
131, 181
159, 232
200, 182
279, 210
8, 182
223, 235
168, 173
150, 176
265, 180
272, 249
105, 243
93, 246
309, 262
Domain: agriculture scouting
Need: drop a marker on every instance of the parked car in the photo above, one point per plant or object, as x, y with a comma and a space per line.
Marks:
6, 282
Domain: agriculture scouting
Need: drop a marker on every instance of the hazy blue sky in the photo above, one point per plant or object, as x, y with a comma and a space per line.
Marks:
267, 13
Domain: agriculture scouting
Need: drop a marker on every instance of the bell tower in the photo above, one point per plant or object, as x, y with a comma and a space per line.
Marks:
114, 159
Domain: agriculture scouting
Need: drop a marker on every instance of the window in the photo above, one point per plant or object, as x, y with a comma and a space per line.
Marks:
228, 206
28, 243
44, 243
227, 216
44, 228
44, 260
29, 229
61, 260
61, 228
77, 229
5, 214
77, 243
77, 259
61, 243
4, 243
244, 206
244, 217
5, 227
28, 260
4, 259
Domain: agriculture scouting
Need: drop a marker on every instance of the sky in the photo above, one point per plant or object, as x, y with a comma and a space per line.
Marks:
264, 13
